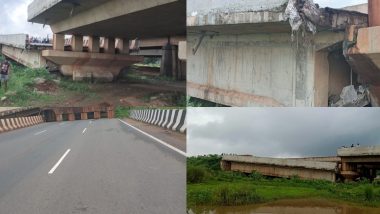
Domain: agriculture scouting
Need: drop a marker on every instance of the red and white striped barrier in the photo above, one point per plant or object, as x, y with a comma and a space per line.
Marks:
10, 124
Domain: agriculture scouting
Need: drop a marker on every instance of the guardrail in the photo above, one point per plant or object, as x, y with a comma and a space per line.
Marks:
173, 119
10, 124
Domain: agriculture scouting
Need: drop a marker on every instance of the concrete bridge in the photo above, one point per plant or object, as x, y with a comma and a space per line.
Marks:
19, 48
348, 165
90, 19
249, 53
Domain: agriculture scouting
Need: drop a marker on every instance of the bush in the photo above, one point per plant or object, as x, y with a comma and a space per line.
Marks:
196, 174
368, 193
228, 195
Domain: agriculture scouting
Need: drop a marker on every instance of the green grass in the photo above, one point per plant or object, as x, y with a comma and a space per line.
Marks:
206, 191
21, 85
122, 112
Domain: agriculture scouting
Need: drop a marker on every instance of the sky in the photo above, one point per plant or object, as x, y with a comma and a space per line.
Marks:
13, 19
280, 132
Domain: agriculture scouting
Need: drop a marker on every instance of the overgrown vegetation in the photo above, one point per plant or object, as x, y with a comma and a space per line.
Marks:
122, 112
23, 90
195, 102
209, 185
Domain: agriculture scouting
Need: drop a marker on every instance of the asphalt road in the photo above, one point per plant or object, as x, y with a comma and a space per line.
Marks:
100, 166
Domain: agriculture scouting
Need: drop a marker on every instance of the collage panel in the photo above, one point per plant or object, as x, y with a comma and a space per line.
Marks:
189, 106
283, 160
93, 106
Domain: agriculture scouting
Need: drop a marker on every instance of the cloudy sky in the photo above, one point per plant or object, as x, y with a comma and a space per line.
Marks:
339, 3
13, 19
280, 132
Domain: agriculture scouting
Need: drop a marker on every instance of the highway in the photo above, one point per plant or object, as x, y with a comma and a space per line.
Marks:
101, 166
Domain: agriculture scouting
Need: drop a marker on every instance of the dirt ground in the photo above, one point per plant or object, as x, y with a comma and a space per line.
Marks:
118, 94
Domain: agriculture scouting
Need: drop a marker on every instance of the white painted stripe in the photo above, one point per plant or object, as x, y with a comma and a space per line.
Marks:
38, 133
59, 162
84, 130
178, 120
156, 139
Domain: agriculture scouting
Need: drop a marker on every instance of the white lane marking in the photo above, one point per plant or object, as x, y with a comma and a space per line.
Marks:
59, 162
84, 130
38, 133
156, 139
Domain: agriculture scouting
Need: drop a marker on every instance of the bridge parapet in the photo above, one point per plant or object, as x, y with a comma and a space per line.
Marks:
14, 40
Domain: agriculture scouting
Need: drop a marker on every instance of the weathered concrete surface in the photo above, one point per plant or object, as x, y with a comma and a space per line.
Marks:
249, 56
14, 40
258, 69
359, 151
361, 8
93, 17
374, 13
281, 167
87, 65
27, 57
365, 55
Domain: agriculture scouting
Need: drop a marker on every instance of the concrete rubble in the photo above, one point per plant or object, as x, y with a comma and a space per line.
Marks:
353, 97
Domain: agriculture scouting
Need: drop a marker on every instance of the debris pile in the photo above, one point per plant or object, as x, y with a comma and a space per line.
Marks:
352, 97
303, 13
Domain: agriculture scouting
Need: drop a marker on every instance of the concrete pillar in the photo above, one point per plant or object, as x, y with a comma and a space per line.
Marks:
97, 115
58, 42
109, 45
59, 117
93, 44
83, 116
123, 46
374, 12
175, 62
167, 60
77, 43
71, 117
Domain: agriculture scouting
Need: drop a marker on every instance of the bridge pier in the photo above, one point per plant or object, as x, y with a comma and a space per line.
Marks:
94, 44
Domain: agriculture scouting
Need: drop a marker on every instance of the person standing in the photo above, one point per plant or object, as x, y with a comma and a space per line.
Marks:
4, 74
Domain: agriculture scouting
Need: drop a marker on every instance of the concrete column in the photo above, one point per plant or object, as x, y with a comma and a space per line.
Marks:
59, 117
71, 117
58, 42
110, 114
374, 12
109, 45
83, 116
123, 46
97, 115
175, 61
167, 61
77, 43
93, 44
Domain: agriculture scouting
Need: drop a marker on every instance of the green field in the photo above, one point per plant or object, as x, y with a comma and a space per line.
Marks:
208, 185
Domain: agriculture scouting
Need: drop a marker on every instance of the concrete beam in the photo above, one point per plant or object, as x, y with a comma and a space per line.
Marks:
328, 166
359, 151
93, 17
29, 58
14, 40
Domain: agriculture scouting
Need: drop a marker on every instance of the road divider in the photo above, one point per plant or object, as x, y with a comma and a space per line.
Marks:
9, 124
173, 119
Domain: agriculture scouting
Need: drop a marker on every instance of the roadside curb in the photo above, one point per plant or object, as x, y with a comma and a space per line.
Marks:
10, 124
173, 119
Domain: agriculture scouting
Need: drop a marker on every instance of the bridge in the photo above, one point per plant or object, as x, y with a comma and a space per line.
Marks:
349, 164
100, 44
248, 53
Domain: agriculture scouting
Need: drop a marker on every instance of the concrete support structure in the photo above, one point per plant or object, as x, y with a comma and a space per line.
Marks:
278, 167
109, 45
58, 42
93, 44
350, 164
77, 43
249, 56
94, 18
374, 12
83, 116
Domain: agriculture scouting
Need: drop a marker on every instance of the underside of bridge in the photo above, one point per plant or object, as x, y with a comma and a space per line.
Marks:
128, 21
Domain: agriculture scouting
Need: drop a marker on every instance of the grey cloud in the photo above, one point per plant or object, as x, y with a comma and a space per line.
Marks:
282, 131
